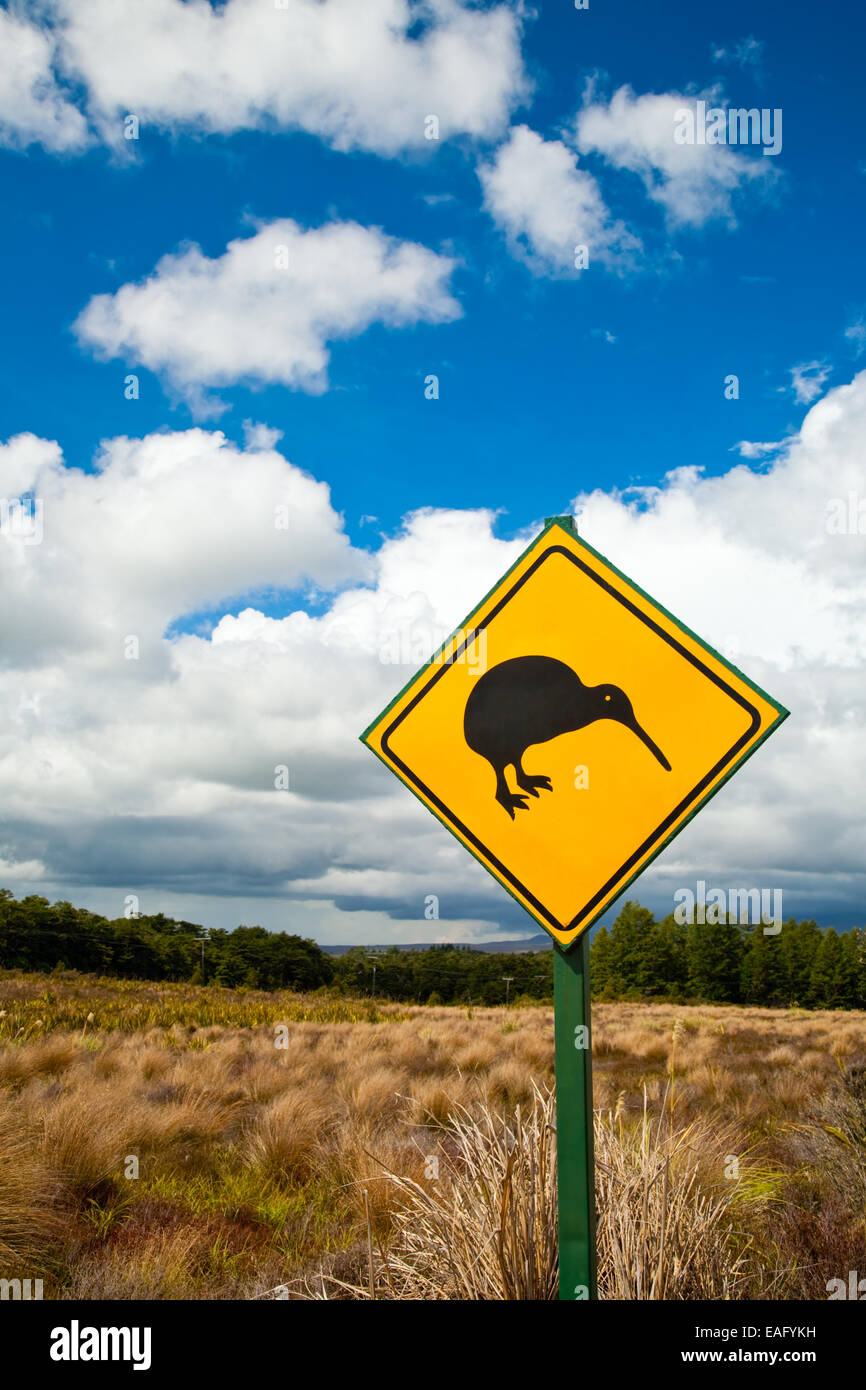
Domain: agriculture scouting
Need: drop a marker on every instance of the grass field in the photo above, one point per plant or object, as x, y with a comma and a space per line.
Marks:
167, 1141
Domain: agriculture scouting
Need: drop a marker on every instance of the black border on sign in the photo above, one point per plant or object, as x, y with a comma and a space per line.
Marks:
652, 839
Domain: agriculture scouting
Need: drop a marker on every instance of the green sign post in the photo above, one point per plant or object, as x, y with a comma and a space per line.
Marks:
575, 1162
566, 658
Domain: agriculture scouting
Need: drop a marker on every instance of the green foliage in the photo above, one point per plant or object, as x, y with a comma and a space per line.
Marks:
636, 958
726, 963
713, 959
446, 975
36, 935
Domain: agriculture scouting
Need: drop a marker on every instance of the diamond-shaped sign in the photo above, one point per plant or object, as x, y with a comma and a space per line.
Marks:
569, 730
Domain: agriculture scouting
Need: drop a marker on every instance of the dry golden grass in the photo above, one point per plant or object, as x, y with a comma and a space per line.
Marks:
481, 1222
482, 1225
668, 1227
28, 1208
262, 1166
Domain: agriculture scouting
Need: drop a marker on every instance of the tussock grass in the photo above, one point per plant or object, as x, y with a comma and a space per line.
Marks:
287, 1139
29, 1216
482, 1225
485, 1226
667, 1225
307, 1165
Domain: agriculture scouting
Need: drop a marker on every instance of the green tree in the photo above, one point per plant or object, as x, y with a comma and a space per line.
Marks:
763, 976
713, 956
825, 979
799, 943
630, 955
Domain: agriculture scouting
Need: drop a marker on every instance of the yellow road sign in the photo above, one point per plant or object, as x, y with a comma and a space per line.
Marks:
569, 730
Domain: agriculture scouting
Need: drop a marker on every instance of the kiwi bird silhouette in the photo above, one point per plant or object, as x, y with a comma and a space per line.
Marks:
532, 699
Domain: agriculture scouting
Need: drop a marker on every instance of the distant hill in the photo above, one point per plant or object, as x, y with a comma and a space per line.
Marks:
504, 946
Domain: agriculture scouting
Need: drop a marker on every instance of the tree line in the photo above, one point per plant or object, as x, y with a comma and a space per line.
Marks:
729, 963
637, 958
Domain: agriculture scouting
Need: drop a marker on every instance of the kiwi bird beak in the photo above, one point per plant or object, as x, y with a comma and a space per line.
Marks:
653, 747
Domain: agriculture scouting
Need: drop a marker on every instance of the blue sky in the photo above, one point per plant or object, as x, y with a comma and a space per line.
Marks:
554, 385
522, 377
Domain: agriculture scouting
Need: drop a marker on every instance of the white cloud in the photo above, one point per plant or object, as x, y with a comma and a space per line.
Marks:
773, 575
548, 207
259, 436
23, 460
157, 775
751, 449
758, 574
164, 526
34, 110
347, 72
694, 183
267, 309
808, 381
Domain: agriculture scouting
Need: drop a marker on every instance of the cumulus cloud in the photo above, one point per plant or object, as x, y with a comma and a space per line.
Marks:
158, 775
34, 108
548, 207
163, 527
267, 309
361, 77
764, 578
695, 184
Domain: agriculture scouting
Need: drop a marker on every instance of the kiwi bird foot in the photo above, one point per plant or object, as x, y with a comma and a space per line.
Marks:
511, 802
533, 785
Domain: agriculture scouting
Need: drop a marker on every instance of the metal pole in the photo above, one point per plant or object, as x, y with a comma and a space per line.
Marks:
574, 1122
